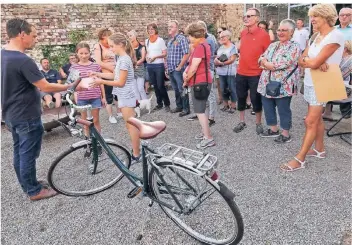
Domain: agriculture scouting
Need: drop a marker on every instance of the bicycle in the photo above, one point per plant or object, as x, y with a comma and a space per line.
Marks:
182, 181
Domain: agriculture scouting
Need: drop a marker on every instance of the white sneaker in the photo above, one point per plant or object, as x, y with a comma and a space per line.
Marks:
112, 119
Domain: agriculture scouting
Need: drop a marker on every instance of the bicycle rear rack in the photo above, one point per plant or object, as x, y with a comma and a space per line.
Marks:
201, 161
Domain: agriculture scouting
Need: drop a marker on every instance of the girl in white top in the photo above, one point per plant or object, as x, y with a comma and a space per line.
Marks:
123, 84
326, 49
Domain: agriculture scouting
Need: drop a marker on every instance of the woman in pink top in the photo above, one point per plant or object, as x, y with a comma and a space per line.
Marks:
92, 96
106, 59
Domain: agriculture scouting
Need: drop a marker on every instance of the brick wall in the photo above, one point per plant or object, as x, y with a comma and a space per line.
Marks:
55, 21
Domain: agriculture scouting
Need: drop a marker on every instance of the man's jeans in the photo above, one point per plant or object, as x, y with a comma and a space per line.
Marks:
27, 141
156, 77
182, 101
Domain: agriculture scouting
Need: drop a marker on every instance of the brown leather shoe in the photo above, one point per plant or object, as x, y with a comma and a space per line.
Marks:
44, 193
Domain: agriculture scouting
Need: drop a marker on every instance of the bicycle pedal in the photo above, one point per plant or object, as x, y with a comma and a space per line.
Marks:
135, 191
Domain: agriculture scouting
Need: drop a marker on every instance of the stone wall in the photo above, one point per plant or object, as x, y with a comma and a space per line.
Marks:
54, 22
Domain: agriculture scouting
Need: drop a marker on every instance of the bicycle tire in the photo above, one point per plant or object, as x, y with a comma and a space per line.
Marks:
66, 185
226, 195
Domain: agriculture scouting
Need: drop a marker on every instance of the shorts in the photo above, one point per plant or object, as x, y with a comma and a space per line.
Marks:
127, 103
42, 94
95, 103
310, 97
199, 106
243, 84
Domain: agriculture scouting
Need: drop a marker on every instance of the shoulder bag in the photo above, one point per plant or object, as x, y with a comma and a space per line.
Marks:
273, 87
201, 90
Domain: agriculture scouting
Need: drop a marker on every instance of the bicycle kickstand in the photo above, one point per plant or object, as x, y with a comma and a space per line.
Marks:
146, 218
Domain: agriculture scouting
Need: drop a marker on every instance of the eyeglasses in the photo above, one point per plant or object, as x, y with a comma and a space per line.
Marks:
219, 32
282, 30
249, 16
344, 15
223, 37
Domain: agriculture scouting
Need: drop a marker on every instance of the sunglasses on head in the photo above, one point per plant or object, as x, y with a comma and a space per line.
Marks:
21, 26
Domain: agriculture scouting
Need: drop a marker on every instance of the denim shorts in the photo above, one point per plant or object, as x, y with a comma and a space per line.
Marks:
96, 103
310, 97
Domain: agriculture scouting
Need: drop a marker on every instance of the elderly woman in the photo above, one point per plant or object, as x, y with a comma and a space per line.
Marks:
326, 49
156, 53
226, 69
197, 75
346, 69
279, 62
140, 52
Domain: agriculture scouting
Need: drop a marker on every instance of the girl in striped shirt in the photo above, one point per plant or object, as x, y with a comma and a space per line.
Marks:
92, 96
123, 82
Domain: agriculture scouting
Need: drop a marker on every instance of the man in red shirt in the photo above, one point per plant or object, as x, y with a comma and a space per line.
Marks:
254, 41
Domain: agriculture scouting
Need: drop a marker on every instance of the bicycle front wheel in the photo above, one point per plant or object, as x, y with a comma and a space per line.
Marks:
209, 214
72, 174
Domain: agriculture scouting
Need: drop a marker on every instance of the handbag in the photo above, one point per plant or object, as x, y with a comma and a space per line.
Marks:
273, 87
201, 90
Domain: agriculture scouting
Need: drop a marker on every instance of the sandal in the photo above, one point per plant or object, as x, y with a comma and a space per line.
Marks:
318, 154
231, 110
225, 108
288, 168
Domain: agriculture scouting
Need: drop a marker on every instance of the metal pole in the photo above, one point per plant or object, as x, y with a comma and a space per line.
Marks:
288, 11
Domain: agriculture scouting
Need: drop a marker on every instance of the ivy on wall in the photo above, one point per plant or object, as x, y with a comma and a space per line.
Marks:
57, 54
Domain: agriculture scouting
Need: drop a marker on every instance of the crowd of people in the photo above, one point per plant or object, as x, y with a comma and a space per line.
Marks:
259, 72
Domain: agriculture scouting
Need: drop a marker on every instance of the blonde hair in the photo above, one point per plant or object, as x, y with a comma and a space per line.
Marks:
348, 46
119, 38
326, 11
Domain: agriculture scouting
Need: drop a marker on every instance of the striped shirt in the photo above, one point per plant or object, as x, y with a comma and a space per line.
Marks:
91, 93
126, 92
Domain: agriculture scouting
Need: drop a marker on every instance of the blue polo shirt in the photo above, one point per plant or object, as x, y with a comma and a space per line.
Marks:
51, 76
347, 32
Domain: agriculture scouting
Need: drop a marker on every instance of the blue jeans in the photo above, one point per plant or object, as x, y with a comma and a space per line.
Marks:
283, 106
176, 79
228, 88
27, 141
156, 77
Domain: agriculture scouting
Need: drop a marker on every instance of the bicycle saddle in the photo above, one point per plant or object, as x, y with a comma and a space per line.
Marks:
147, 130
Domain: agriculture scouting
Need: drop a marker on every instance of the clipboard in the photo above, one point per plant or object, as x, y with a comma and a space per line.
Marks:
329, 85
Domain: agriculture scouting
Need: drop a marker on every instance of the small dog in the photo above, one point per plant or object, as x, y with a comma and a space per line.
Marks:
144, 104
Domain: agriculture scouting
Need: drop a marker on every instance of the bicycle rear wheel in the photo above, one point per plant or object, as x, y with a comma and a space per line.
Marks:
71, 172
212, 217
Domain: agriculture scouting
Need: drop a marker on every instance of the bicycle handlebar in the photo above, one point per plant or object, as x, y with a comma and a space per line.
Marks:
73, 106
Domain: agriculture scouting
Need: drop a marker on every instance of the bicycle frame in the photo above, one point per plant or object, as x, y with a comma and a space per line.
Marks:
137, 181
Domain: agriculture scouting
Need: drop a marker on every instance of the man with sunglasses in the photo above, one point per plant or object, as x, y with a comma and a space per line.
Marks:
254, 41
21, 108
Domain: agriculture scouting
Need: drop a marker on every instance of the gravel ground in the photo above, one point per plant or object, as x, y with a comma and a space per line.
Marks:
310, 206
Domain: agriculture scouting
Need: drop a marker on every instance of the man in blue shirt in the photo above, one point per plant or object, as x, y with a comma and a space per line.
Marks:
20, 103
177, 55
52, 76
345, 26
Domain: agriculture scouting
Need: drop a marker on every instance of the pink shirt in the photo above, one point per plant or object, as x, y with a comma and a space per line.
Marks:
91, 93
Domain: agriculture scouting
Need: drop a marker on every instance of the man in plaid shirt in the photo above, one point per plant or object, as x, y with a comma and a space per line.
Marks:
177, 56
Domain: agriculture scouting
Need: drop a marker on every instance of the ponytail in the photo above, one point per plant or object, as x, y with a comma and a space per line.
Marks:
119, 38
130, 51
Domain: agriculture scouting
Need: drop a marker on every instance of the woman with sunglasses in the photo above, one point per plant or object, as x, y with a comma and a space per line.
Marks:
279, 62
